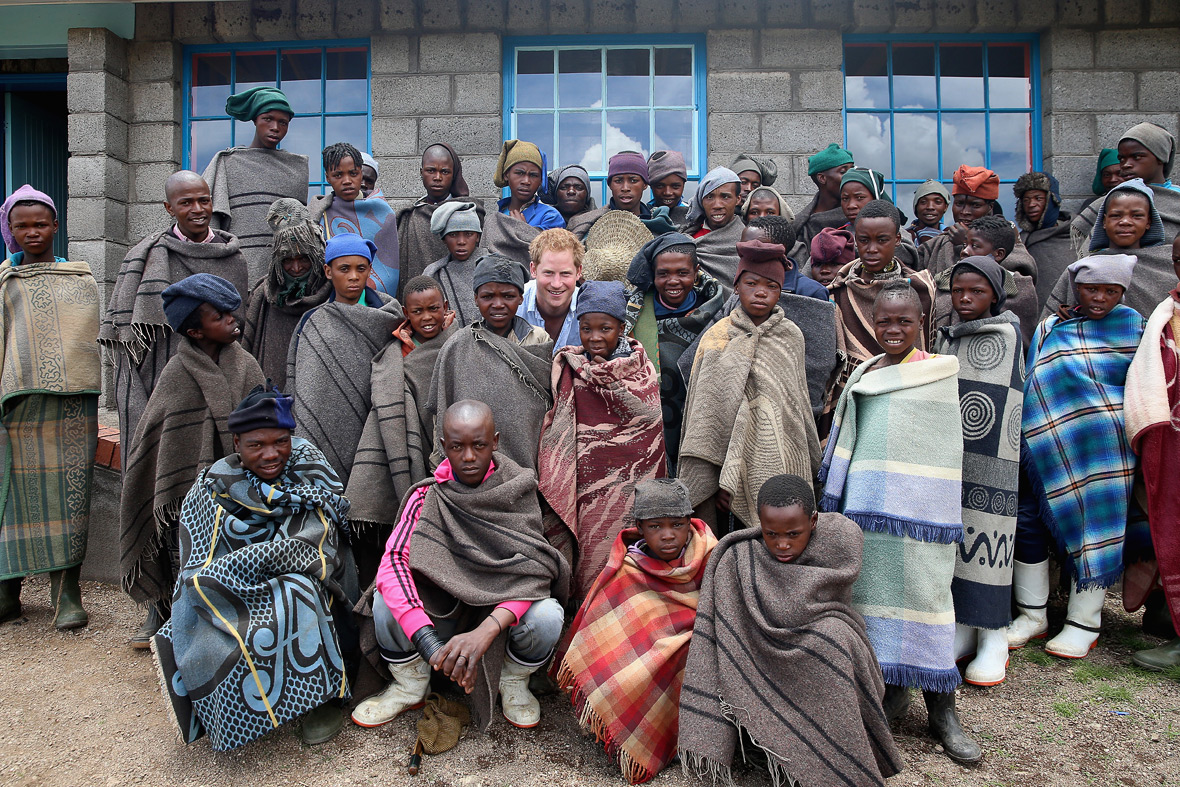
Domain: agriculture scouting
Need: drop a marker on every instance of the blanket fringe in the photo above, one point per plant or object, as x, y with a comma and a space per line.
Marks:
589, 720
941, 681
780, 776
176, 728
1079, 243
700, 766
897, 526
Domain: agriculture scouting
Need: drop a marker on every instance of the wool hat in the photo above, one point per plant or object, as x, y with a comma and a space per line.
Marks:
713, 180
249, 104
346, 244
871, 179
829, 158
25, 193
1157, 140
295, 232
988, 268
663, 163
369, 161
928, 188
1038, 181
1155, 228
768, 260
657, 498
612, 243
602, 297
833, 246
627, 162
1103, 269
262, 409
784, 209
976, 182
1107, 158
186, 296
641, 272
514, 152
459, 186
455, 217
572, 171
492, 267
766, 168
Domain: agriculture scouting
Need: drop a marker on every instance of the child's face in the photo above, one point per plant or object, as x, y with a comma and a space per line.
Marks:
627, 190
786, 531
1127, 217
462, 244
979, 246
346, 179
931, 209
666, 536
876, 242
524, 179
33, 228
853, 196
468, 445
824, 272
296, 266
668, 191
897, 324
270, 127
348, 275
438, 173
1137, 161
600, 335
572, 196
675, 273
758, 295
762, 205
1112, 176
1033, 202
751, 179
967, 209
972, 295
498, 302
425, 311
368, 178
217, 327
719, 205
1097, 300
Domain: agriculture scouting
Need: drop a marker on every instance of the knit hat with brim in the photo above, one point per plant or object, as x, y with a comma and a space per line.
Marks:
1103, 269
186, 296
262, 409
455, 217
611, 244
928, 188
602, 297
829, 158
249, 104
1158, 142
514, 152
657, 498
766, 168
663, 163
768, 260
1038, 181
1107, 158
1155, 228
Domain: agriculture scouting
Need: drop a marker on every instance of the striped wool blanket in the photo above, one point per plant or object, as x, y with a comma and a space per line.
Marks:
373, 219
1076, 442
604, 433
779, 655
626, 655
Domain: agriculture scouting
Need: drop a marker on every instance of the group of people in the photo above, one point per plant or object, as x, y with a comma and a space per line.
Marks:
551, 439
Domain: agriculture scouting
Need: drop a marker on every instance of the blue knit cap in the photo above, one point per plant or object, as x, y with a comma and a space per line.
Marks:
602, 297
348, 245
187, 295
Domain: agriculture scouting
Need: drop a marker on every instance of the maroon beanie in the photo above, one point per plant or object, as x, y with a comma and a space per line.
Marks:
833, 245
628, 162
768, 260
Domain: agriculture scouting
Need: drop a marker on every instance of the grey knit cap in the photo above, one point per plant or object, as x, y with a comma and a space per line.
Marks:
492, 267
602, 297
661, 497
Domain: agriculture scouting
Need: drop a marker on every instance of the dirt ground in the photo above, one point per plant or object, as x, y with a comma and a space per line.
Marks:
81, 708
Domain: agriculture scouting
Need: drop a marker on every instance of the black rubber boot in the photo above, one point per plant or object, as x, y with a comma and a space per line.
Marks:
67, 599
9, 599
1157, 618
896, 702
320, 725
151, 624
945, 727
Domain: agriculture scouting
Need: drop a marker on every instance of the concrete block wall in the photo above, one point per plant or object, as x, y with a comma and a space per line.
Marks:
154, 129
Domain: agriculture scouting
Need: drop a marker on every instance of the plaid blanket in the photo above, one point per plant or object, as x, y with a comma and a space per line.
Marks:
1075, 438
626, 657
604, 433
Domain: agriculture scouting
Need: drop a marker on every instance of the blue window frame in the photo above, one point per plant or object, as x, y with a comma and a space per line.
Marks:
327, 83
917, 107
582, 99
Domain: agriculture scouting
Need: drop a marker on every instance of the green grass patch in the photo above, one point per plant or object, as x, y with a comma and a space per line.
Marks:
1066, 709
1036, 656
1171, 673
1088, 672
1114, 693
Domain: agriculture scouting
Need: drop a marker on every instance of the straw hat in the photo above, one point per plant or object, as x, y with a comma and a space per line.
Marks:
611, 244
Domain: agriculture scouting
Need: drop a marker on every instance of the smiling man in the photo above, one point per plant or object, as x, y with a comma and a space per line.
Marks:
551, 298
714, 226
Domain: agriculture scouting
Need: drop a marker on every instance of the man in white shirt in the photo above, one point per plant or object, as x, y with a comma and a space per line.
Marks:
551, 298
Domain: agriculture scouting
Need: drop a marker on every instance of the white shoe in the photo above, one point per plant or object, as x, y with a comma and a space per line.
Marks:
990, 665
1083, 619
521, 708
1030, 585
407, 690
965, 639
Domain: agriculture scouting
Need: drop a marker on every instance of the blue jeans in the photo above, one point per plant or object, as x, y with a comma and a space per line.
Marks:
530, 642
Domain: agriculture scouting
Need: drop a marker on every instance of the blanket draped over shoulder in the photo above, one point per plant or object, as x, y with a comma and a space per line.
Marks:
244, 182
1167, 202
808, 223
1053, 251
991, 391
134, 330
457, 279
329, 372
184, 429
475, 547
902, 485
779, 654
1075, 439
511, 379
625, 661
1151, 279
604, 433
49, 384
418, 247
747, 416
269, 327
372, 218
395, 446
251, 643
507, 237
1022, 301
717, 253
1152, 414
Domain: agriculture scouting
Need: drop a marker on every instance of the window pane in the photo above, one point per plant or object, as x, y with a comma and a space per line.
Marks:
303, 136
868, 141
538, 129
301, 73
904, 200
674, 132
534, 61
866, 82
628, 73
673, 77
913, 77
962, 75
347, 128
210, 84
1011, 145
627, 130
962, 142
917, 149
534, 79
347, 88
580, 80
206, 137
581, 140
255, 69
244, 132
1008, 83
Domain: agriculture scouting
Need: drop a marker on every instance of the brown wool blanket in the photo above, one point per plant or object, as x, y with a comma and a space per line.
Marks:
779, 654
244, 183
395, 446
1053, 251
474, 548
717, 253
269, 326
457, 280
507, 236
604, 434
748, 415
808, 223
329, 370
134, 330
418, 247
581, 223
511, 379
183, 430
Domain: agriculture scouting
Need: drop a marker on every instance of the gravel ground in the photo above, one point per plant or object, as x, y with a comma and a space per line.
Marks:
81, 708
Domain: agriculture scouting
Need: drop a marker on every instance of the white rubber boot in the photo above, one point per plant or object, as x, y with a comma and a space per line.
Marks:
411, 682
990, 665
965, 641
1083, 619
521, 708
1030, 585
